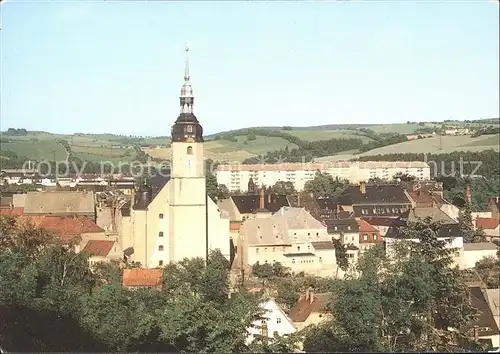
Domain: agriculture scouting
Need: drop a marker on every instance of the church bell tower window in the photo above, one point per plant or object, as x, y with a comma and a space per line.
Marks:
189, 150
189, 128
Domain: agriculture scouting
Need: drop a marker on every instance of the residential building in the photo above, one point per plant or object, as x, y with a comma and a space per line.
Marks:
369, 236
382, 224
103, 251
236, 177
243, 207
61, 203
274, 320
387, 200
178, 220
448, 231
426, 194
343, 226
310, 309
292, 237
494, 206
486, 327
134, 278
474, 252
490, 226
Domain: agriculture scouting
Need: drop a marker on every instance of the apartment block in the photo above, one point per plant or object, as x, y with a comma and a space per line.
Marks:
236, 177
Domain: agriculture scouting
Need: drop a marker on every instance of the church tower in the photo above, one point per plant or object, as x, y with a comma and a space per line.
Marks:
188, 192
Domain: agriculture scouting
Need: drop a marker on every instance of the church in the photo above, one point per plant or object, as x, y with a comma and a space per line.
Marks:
179, 220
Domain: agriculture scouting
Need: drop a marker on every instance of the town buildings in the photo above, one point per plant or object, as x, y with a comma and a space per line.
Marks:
310, 309
236, 177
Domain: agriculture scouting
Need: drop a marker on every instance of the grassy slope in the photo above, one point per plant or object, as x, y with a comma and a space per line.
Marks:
432, 145
97, 147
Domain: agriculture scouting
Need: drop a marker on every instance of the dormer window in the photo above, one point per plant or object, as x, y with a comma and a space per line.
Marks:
189, 129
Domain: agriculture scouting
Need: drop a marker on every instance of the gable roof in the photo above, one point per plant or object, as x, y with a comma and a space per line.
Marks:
434, 213
247, 204
375, 194
366, 227
378, 221
274, 229
100, 248
142, 277
304, 307
487, 223
66, 227
59, 202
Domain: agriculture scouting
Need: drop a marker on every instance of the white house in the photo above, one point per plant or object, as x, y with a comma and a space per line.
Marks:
474, 252
274, 321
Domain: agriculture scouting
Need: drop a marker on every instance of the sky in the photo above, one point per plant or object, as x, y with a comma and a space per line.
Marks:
117, 67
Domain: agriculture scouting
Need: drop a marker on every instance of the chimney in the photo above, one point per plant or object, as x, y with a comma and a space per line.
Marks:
362, 187
264, 328
261, 200
468, 197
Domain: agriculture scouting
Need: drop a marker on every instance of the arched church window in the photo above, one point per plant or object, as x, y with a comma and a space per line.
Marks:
189, 128
189, 150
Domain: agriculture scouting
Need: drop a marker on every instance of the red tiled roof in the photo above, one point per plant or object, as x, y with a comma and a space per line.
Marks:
304, 307
365, 226
142, 277
65, 227
11, 211
99, 248
487, 223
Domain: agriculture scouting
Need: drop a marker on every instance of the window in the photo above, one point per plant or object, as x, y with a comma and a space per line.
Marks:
365, 237
293, 260
160, 234
298, 248
336, 228
278, 320
308, 234
160, 247
189, 129
274, 249
374, 237
348, 227
257, 251
160, 215
265, 249
352, 238
160, 263
317, 234
189, 150
308, 248
320, 259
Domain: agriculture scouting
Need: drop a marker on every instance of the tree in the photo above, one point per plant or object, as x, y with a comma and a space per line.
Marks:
466, 227
283, 188
324, 185
340, 256
414, 301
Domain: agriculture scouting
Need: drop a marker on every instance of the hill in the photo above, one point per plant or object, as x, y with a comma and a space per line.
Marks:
241, 144
434, 145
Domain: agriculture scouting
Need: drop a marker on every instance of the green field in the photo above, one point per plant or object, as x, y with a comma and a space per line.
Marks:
260, 145
40, 150
104, 147
315, 135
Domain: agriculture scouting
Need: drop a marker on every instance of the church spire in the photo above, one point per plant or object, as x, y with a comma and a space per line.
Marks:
187, 98
186, 127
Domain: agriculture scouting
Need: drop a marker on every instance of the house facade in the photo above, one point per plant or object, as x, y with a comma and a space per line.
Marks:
310, 309
274, 320
292, 237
